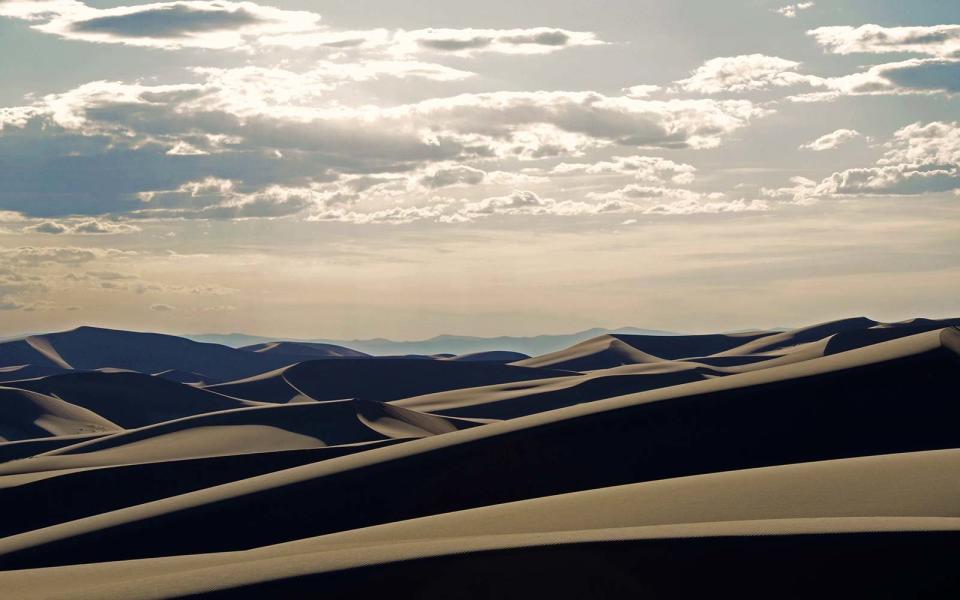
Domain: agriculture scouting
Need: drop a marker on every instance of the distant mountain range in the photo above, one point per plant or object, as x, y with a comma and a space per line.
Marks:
441, 344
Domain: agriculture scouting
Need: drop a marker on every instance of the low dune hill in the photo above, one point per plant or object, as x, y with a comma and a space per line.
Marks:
502, 356
797, 463
301, 351
20, 372
187, 377
201, 451
248, 430
379, 379
33, 446
511, 400
129, 399
25, 414
89, 348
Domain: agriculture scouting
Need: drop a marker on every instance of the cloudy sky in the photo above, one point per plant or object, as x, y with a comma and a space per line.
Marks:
361, 168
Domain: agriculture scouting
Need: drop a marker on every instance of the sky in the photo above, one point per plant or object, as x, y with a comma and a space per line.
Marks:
370, 168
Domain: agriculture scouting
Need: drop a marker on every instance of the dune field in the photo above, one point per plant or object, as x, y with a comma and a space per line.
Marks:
813, 461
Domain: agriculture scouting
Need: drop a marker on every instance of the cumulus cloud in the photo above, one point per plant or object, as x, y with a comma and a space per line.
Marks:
632, 199
709, 207
920, 159
277, 140
755, 72
660, 200
832, 140
790, 10
749, 72
646, 168
529, 203
82, 227
210, 24
642, 91
915, 76
933, 40
538, 40
63, 255
452, 174
232, 25
217, 199
650, 194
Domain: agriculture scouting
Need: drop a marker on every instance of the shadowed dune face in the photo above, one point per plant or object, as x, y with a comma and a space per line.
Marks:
88, 348
627, 457
302, 351
129, 399
382, 379
25, 414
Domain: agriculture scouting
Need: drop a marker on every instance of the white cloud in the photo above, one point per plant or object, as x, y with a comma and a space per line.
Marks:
659, 200
213, 24
452, 174
645, 168
910, 77
64, 255
651, 193
920, 159
710, 207
218, 199
276, 137
397, 215
790, 10
82, 227
932, 40
642, 91
755, 72
832, 140
749, 72
466, 42
232, 25
529, 203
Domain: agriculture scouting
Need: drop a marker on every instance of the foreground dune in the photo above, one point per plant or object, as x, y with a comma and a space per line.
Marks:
760, 461
896, 494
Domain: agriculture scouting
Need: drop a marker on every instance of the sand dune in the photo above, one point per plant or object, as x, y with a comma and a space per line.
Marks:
129, 399
381, 379
301, 351
88, 348
759, 461
720, 424
25, 414
854, 496
31, 447
19, 372
243, 431
511, 400
493, 355
598, 353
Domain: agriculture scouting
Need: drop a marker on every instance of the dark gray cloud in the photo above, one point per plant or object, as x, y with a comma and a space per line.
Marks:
932, 75
456, 44
168, 21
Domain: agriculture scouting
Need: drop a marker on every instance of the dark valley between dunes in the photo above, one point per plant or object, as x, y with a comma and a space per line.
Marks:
772, 463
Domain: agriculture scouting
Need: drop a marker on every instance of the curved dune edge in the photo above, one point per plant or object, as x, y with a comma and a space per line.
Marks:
194, 437
184, 575
885, 351
43, 346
